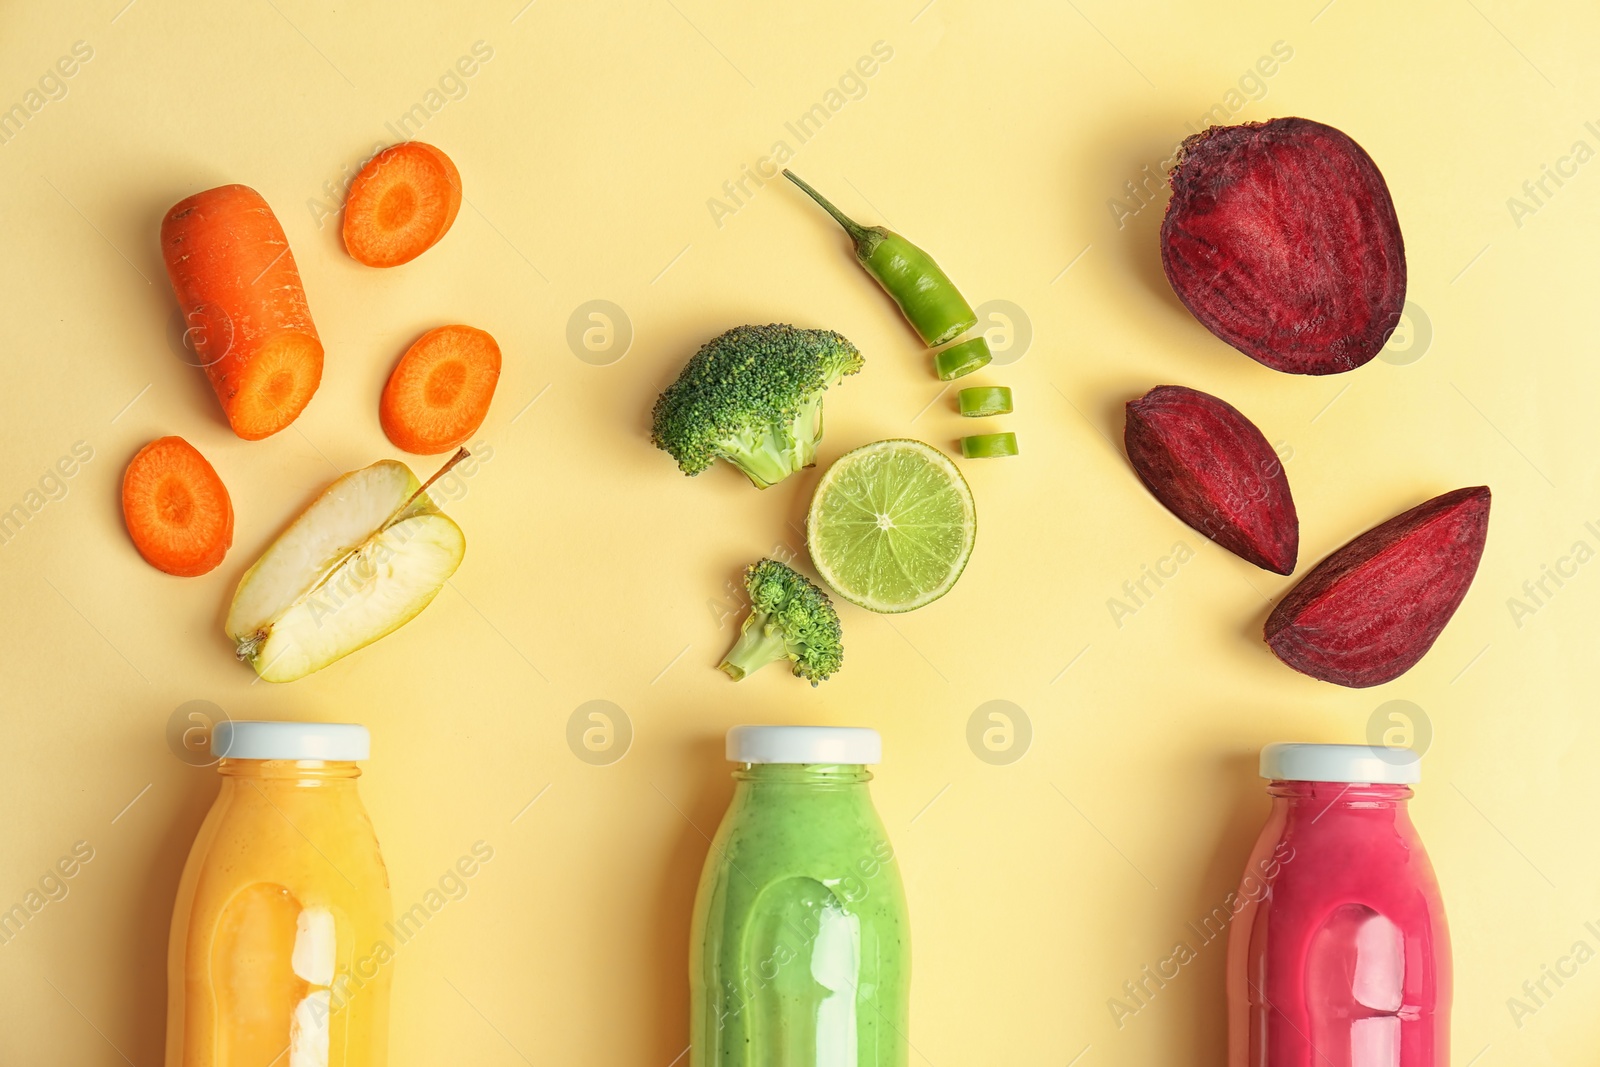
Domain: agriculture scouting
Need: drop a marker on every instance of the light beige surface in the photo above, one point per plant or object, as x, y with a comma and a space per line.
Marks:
590, 142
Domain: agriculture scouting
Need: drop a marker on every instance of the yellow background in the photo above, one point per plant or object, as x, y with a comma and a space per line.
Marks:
589, 145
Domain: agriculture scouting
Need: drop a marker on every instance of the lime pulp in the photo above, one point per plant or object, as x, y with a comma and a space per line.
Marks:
891, 525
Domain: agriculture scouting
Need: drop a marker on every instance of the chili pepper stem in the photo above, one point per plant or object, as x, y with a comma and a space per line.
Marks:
925, 295
858, 233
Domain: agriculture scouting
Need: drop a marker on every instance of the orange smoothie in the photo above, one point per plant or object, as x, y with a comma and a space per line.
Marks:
281, 903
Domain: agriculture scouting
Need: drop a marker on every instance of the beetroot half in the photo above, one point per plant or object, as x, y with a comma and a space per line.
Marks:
1281, 238
1215, 470
1369, 612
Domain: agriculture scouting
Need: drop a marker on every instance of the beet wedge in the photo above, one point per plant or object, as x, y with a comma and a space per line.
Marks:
1369, 612
1281, 238
1213, 469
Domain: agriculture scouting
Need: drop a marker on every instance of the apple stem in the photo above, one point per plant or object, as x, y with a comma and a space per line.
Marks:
461, 454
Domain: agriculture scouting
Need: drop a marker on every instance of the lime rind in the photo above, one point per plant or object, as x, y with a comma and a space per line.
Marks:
892, 525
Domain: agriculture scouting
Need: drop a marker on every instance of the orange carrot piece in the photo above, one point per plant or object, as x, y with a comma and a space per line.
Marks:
243, 306
440, 390
177, 509
401, 203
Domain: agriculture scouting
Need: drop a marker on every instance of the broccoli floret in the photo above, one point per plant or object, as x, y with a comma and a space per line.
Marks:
753, 396
790, 618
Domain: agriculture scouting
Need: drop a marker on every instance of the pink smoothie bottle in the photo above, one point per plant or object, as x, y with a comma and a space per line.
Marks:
1338, 955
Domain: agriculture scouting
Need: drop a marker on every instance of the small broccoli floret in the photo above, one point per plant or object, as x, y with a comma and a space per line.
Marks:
753, 396
790, 618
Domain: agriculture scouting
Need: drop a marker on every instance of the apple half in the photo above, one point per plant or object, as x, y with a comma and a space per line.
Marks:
368, 554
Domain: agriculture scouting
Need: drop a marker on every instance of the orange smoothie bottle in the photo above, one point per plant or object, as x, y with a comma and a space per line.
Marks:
279, 956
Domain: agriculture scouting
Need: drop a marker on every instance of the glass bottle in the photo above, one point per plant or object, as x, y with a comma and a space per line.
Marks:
278, 952
1339, 955
800, 949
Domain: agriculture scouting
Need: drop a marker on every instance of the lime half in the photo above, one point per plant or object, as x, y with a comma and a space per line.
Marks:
891, 525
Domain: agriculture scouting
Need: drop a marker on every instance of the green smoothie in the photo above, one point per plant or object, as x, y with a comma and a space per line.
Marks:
800, 948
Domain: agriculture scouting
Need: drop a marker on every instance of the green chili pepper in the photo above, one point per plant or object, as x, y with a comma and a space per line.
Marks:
981, 401
989, 445
961, 358
926, 295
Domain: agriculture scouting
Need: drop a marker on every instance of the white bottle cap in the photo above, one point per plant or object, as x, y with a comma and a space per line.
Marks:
291, 740
804, 744
1369, 764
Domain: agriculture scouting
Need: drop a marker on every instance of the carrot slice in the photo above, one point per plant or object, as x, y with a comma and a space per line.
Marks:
440, 390
177, 509
243, 307
401, 203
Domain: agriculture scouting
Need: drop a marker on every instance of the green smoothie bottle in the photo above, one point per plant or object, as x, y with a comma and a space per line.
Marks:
800, 952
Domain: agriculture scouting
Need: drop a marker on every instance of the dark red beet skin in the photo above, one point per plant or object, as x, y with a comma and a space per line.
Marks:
1281, 238
1213, 469
1369, 612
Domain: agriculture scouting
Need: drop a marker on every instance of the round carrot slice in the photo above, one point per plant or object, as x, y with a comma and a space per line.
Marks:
401, 203
177, 509
440, 390
276, 386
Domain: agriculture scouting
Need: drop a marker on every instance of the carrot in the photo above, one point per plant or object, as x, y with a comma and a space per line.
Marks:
244, 307
401, 203
440, 390
177, 509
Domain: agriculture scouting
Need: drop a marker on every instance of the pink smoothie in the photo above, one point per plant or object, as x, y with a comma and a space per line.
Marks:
1345, 960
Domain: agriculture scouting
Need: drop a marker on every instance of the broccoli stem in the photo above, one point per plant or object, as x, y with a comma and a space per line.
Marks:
766, 464
776, 455
807, 431
755, 648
